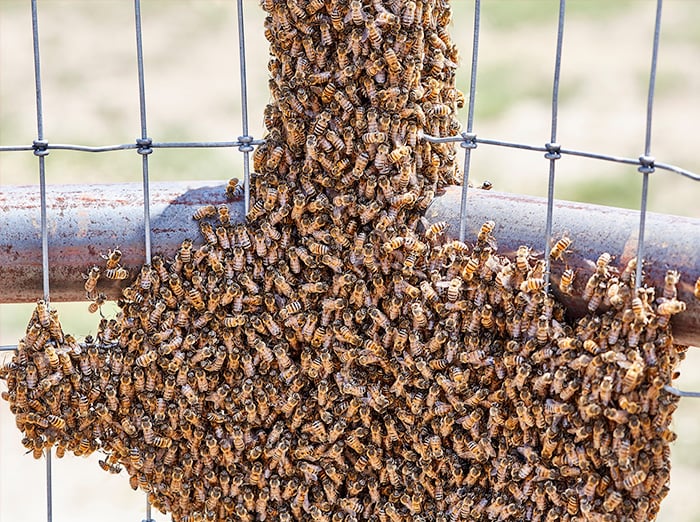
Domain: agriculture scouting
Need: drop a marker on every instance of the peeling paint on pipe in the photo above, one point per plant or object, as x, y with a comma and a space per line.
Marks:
88, 220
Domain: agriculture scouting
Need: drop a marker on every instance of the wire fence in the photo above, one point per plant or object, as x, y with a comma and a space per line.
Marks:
468, 140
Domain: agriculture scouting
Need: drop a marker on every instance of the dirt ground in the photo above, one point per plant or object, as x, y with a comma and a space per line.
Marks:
193, 93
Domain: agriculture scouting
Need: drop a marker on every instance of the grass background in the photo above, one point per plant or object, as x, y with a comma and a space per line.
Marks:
193, 93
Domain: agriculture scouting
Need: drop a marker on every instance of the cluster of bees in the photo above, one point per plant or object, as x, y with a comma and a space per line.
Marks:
338, 358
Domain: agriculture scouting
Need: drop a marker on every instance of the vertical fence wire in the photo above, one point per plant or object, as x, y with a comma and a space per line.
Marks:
144, 142
148, 511
469, 142
553, 148
144, 150
246, 147
647, 161
40, 151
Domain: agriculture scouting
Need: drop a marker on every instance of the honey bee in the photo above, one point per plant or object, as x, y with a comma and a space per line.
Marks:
532, 285
374, 138
603, 263
454, 288
112, 258
116, 273
560, 248
428, 292
356, 14
485, 231
566, 281
233, 189
436, 229
255, 212
605, 390
696, 288
632, 376
670, 307
42, 312
639, 310
146, 358
612, 501
91, 280
204, 212
109, 467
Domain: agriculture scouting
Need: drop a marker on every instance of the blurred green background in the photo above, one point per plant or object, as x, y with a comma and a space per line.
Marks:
193, 94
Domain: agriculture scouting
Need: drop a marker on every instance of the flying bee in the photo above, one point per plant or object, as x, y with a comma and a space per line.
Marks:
204, 212
560, 248
91, 280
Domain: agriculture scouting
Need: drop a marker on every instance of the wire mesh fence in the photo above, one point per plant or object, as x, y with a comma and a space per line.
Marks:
144, 145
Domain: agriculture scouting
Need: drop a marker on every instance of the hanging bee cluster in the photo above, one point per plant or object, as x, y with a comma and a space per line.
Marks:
328, 360
353, 86
462, 395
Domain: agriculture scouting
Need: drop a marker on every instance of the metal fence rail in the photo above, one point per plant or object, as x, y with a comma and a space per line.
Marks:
144, 146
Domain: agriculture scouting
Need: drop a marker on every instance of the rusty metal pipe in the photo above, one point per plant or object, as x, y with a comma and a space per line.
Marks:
88, 220
671, 242
85, 221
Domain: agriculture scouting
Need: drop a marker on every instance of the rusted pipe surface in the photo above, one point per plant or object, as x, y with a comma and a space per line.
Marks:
671, 242
85, 221
88, 220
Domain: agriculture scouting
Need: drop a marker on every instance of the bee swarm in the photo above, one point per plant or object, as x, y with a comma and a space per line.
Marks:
327, 360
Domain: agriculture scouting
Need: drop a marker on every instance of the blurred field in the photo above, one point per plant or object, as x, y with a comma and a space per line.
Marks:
193, 93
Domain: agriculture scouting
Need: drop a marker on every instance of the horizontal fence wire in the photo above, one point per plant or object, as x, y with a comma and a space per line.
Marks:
132, 146
471, 138
468, 139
